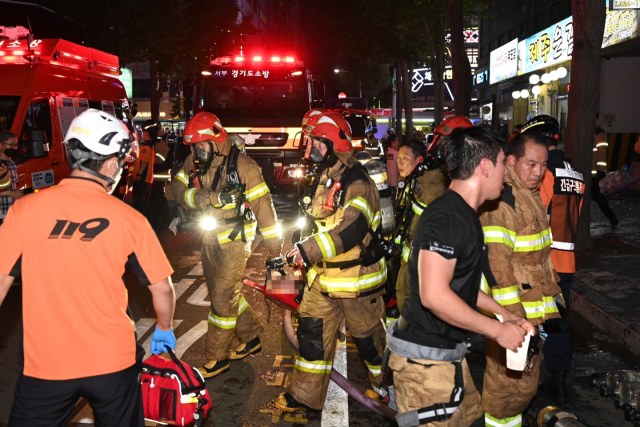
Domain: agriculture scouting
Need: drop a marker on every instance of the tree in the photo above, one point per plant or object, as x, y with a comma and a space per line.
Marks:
462, 85
588, 27
435, 26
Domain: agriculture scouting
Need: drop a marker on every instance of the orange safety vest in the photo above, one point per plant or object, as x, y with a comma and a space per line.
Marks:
562, 195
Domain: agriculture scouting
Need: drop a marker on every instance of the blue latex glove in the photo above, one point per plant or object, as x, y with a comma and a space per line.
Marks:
160, 339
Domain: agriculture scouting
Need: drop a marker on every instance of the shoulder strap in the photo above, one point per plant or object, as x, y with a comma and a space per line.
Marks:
232, 166
351, 175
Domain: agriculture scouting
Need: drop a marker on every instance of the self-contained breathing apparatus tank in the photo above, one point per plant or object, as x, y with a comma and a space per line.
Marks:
378, 173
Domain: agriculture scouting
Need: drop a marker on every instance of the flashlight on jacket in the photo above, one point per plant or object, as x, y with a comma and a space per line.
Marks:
208, 224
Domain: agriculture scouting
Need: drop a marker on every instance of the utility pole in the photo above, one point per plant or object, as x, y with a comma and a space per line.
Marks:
393, 100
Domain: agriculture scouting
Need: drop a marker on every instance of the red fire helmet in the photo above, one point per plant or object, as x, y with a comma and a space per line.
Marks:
331, 125
446, 127
310, 114
204, 127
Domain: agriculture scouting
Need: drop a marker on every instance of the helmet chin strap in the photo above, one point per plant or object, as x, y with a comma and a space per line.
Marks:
83, 156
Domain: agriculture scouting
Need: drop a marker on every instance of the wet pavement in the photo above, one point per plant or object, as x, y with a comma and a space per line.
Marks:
244, 396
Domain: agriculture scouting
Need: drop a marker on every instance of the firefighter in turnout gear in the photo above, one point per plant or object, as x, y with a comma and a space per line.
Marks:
518, 235
346, 269
424, 180
228, 189
161, 175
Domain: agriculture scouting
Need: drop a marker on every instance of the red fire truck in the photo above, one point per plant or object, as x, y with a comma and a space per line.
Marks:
261, 98
44, 84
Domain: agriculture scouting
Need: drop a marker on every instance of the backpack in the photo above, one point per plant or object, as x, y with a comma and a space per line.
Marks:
173, 392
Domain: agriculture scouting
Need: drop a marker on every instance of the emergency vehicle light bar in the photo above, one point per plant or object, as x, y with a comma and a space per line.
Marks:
225, 61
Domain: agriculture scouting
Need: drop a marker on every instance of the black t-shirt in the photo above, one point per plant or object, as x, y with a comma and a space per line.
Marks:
450, 227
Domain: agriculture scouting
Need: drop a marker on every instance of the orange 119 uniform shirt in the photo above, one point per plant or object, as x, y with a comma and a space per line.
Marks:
73, 243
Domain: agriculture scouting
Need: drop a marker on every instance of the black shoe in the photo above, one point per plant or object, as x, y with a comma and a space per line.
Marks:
555, 387
285, 402
243, 350
214, 368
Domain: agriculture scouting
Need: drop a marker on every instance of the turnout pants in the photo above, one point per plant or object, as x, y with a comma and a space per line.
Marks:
422, 383
230, 314
320, 320
507, 393
115, 398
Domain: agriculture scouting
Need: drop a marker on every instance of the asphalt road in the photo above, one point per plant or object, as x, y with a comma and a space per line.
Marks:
244, 396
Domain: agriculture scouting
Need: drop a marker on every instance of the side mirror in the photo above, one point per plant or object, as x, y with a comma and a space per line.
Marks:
36, 145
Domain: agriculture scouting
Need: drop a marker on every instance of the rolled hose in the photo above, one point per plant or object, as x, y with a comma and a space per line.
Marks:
374, 405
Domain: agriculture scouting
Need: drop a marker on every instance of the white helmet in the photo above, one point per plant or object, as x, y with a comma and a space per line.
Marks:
101, 133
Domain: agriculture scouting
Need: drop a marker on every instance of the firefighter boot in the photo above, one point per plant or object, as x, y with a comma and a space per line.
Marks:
285, 402
245, 349
214, 368
555, 387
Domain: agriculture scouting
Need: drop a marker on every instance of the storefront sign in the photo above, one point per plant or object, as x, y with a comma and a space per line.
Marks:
504, 62
127, 81
620, 26
481, 77
422, 85
623, 4
549, 47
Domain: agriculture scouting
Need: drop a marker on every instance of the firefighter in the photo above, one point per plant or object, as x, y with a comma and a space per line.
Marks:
517, 232
373, 146
143, 170
161, 175
346, 269
228, 189
562, 193
598, 171
423, 182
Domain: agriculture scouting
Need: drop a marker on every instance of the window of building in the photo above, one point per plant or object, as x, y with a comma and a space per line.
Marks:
543, 20
502, 40
484, 52
560, 11
512, 34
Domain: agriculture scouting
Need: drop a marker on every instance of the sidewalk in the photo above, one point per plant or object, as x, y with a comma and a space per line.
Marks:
606, 287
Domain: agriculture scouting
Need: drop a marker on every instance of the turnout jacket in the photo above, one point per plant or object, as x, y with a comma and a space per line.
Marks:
431, 184
517, 233
206, 198
343, 236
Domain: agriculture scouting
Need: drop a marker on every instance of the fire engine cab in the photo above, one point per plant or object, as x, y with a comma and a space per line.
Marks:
44, 84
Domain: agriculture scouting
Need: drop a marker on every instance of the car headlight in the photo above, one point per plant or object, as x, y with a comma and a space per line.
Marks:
208, 224
295, 173
302, 221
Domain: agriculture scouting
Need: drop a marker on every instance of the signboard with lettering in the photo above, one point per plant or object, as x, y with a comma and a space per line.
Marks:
623, 4
504, 62
126, 77
480, 77
621, 25
549, 47
240, 73
422, 85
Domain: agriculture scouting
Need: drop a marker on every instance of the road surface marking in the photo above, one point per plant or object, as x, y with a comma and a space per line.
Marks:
278, 361
279, 379
182, 286
197, 298
295, 418
275, 414
336, 405
185, 341
196, 271
143, 325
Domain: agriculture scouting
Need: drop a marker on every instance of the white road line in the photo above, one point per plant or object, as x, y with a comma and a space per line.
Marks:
196, 271
185, 341
147, 343
182, 286
143, 325
197, 298
336, 405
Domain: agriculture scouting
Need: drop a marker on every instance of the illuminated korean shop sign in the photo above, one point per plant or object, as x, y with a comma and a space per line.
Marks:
504, 62
549, 47
241, 73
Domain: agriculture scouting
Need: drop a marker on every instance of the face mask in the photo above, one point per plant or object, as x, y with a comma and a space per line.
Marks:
11, 152
316, 156
202, 155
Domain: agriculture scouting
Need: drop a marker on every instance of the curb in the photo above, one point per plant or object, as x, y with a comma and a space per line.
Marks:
611, 318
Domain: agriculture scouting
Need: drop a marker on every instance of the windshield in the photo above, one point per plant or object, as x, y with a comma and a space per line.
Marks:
266, 97
8, 108
359, 124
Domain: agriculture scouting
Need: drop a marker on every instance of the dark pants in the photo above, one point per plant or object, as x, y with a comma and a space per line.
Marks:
599, 198
557, 347
142, 199
159, 205
116, 400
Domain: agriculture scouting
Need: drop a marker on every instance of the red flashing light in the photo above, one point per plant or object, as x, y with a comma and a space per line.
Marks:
257, 59
275, 59
290, 59
239, 58
342, 95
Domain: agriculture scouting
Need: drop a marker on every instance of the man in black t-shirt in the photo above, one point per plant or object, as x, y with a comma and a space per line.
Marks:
432, 379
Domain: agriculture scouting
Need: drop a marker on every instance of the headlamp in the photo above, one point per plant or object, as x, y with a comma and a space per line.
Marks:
302, 221
208, 224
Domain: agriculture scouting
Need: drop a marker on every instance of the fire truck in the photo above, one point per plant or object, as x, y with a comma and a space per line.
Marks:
44, 84
357, 113
261, 98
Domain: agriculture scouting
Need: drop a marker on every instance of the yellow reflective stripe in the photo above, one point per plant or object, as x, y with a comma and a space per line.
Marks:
534, 242
190, 197
506, 296
602, 144
354, 284
550, 305
505, 422
418, 208
183, 177
162, 176
256, 192
325, 242
222, 322
314, 367
495, 234
161, 156
249, 231
311, 275
5, 185
269, 232
375, 370
376, 221
406, 251
361, 204
242, 306
601, 163
534, 309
